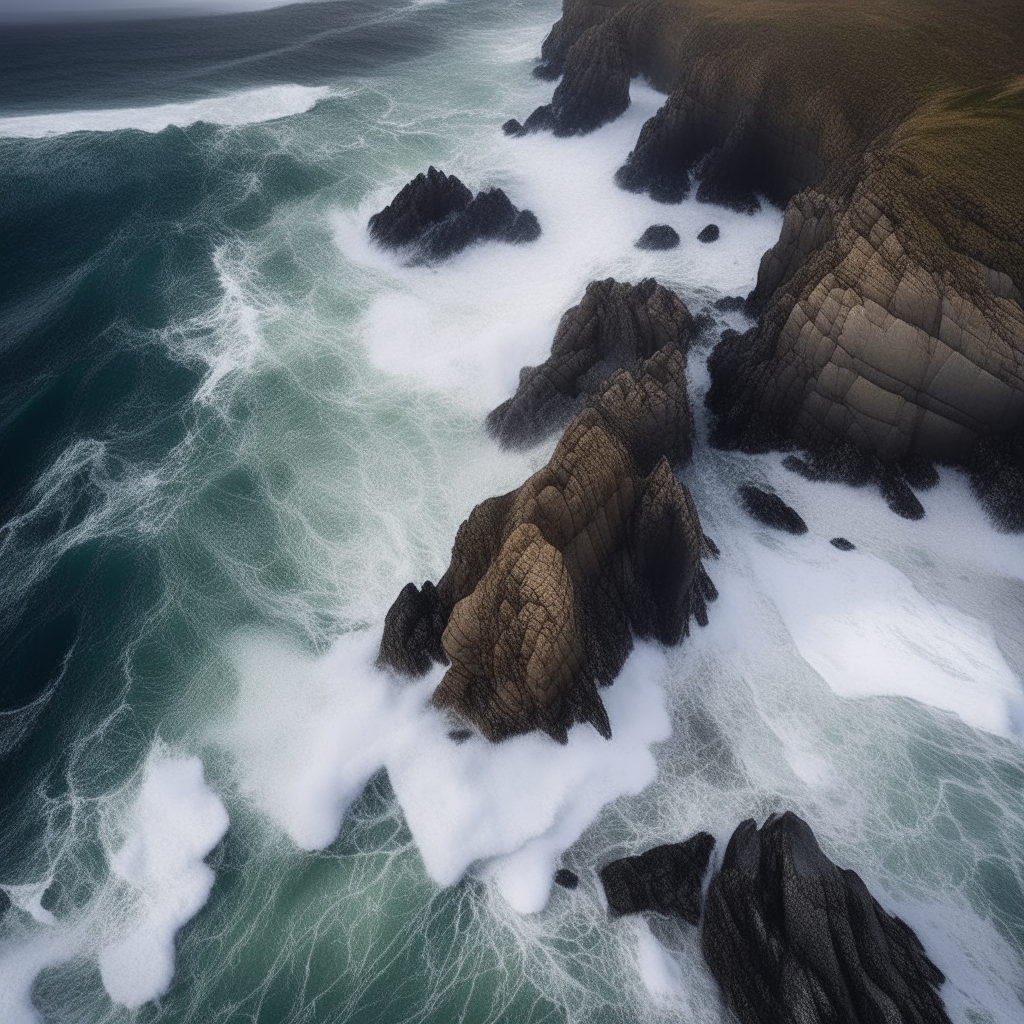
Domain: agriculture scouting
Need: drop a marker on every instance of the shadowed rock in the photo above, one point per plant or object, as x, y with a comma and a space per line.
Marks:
548, 584
730, 303
709, 234
997, 478
771, 510
666, 879
436, 216
566, 879
658, 236
792, 939
842, 543
616, 325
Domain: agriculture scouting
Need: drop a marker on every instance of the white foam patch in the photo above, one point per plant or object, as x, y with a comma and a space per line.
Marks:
308, 735
861, 624
472, 322
660, 974
247, 107
176, 821
157, 882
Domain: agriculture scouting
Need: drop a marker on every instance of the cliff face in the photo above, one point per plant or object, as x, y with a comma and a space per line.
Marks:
890, 311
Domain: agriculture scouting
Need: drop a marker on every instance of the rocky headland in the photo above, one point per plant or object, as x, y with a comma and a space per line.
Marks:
549, 584
889, 323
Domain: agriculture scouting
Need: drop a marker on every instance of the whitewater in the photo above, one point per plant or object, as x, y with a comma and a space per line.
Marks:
216, 806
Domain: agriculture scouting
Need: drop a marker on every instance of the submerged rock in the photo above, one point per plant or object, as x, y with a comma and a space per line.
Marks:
730, 303
666, 879
436, 216
771, 510
793, 939
709, 234
842, 543
658, 236
566, 879
548, 584
615, 326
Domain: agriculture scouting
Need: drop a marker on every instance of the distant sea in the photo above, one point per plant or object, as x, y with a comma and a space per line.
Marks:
231, 430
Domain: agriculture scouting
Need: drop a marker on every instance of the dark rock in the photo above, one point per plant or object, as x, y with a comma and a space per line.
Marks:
898, 495
594, 88
658, 236
919, 472
996, 466
771, 510
793, 939
5, 903
512, 127
731, 174
459, 736
615, 326
547, 71
436, 216
412, 630
666, 879
548, 584
731, 303
842, 543
566, 878
709, 234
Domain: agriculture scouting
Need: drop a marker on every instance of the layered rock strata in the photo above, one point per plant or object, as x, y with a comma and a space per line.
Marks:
793, 939
549, 584
890, 311
616, 326
436, 216
666, 879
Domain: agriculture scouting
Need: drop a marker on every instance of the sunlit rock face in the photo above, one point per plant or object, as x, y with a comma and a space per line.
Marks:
435, 216
549, 584
792, 938
617, 325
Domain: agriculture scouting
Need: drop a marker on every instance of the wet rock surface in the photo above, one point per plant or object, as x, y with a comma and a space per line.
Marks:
666, 879
549, 584
436, 216
842, 544
658, 236
566, 879
711, 233
771, 510
616, 326
996, 466
793, 939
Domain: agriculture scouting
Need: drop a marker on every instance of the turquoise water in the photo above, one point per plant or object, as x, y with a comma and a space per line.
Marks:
232, 431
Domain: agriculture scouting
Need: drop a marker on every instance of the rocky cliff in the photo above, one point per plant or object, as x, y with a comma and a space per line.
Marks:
890, 311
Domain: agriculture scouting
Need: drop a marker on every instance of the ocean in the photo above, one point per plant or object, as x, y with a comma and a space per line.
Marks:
232, 429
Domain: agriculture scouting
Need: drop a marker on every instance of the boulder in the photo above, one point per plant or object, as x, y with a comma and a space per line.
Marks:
842, 544
771, 510
436, 216
793, 939
616, 326
666, 879
549, 584
711, 233
658, 236
566, 879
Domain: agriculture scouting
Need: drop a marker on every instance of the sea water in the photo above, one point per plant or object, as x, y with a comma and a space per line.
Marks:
233, 429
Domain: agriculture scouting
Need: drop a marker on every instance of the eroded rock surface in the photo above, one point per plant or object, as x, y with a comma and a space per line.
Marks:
793, 939
666, 879
616, 326
549, 584
436, 216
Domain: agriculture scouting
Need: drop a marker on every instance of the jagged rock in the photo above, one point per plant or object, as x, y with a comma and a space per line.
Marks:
566, 879
731, 303
616, 325
709, 234
658, 236
793, 939
594, 88
842, 543
997, 478
436, 216
771, 510
548, 584
666, 879
413, 628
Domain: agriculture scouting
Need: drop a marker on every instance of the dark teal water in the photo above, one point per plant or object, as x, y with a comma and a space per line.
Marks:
230, 431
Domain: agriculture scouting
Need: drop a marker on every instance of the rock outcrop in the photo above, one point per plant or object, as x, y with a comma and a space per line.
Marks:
890, 312
658, 236
997, 477
842, 544
436, 216
771, 510
549, 584
711, 233
666, 879
793, 939
616, 326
